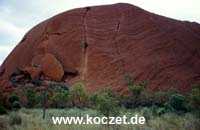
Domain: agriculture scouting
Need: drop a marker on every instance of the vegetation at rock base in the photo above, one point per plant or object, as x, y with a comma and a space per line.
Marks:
12, 98
60, 98
162, 110
78, 95
105, 102
3, 110
14, 101
16, 105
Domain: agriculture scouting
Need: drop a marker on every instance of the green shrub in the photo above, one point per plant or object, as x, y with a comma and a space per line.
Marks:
126, 102
154, 99
38, 99
31, 97
77, 95
3, 110
16, 105
12, 98
136, 90
105, 102
128, 79
60, 98
177, 102
160, 111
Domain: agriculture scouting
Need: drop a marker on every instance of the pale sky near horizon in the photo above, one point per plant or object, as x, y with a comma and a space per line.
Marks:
19, 16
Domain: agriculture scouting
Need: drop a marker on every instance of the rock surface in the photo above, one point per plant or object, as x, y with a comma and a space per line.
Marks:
51, 67
101, 45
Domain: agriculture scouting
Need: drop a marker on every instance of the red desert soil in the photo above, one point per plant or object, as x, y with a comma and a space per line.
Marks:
101, 45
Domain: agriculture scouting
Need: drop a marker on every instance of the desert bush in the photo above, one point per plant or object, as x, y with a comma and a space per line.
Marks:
59, 98
177, 102
3, 110
105, 102
136, 90
128, 79
56, 85
154, 99
12, 98
77, 95
126, 102
158, 111
14, 101
38, 99
16, 105
31, 98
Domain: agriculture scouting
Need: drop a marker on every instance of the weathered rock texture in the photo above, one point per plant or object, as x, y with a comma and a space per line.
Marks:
101, 45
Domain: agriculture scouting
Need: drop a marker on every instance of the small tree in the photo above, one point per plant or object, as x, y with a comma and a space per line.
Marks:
78, 95
16, 105
3, 110
38, 98
14, 101
136, 90
31, 97
12, 98
177, 102
60, 98
106, 102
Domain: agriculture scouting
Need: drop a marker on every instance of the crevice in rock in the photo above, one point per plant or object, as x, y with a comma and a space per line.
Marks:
18, 76
85, 58
115, 36
69, 75
117, 46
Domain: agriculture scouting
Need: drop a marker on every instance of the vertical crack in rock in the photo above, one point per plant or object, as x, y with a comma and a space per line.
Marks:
115, 36
85, 58
117, 46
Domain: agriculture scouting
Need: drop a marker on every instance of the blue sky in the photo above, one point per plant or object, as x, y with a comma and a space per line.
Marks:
19, 16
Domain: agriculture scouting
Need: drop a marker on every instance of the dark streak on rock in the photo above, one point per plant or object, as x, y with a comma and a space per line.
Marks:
85, 29
2, 71
115, 41
85, 42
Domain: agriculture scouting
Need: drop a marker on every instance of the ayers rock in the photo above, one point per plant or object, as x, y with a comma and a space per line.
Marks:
100, 45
